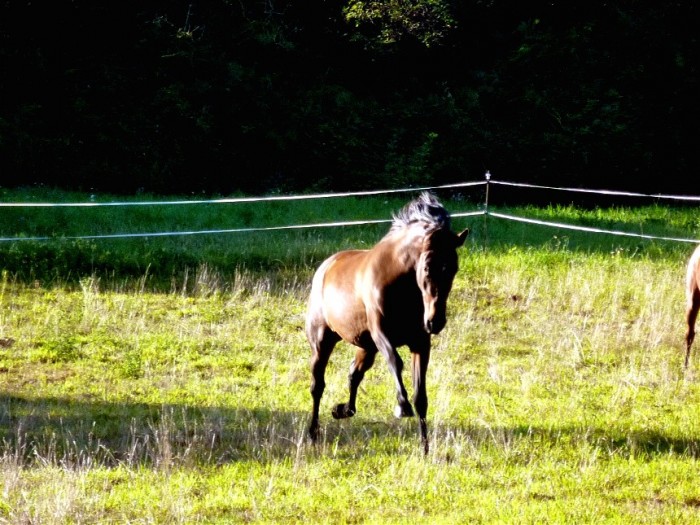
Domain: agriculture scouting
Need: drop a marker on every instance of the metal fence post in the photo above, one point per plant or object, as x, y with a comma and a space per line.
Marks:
487, 176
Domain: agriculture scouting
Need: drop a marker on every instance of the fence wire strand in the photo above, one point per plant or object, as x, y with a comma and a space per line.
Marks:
341, 223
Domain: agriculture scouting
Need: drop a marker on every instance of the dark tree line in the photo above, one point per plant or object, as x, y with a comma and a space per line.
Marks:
271, 95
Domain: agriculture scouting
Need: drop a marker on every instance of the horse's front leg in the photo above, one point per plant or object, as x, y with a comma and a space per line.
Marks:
403, 407
363, 361
420, 356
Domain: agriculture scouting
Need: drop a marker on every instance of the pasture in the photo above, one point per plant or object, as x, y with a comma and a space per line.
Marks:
167, 380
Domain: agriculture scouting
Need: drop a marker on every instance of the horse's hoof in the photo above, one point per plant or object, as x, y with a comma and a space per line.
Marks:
341, 411
403, 410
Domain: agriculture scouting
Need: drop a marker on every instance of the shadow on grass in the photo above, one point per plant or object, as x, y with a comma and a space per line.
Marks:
75, 433
83, 434
610, 441
636, 443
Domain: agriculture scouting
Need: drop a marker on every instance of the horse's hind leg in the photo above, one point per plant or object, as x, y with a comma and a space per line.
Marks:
364, 359
322, 343
691, 315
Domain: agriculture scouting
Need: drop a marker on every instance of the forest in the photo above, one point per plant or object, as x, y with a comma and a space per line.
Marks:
275, 96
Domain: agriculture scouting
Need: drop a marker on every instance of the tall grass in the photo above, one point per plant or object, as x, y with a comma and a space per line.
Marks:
557, 392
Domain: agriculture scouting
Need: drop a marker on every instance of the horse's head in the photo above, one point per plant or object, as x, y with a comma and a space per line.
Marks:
436, 269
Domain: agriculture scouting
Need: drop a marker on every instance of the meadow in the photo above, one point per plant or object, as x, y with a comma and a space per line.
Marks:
165, 380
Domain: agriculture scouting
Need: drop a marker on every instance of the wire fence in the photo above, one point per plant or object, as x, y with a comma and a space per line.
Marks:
484, 211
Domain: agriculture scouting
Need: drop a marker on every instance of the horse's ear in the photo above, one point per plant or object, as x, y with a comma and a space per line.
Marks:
462, 236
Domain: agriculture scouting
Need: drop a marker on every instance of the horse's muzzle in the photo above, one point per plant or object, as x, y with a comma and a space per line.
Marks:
434, 326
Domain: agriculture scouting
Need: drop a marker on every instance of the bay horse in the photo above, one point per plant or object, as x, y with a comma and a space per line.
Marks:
379, 299
692, 299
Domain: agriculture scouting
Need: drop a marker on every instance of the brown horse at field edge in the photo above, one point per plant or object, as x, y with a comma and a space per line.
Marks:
391, 295
692, 300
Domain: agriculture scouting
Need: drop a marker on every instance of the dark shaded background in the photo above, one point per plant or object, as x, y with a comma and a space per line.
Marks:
280, 96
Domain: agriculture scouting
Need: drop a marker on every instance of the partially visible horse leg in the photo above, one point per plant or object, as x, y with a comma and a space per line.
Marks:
692, 298
364, 359
322, 344
691, 315
420, 357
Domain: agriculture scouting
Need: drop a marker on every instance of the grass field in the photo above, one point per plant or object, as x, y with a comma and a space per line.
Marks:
166, 380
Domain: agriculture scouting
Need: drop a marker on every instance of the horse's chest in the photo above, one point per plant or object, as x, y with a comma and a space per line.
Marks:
402, 310
402, 298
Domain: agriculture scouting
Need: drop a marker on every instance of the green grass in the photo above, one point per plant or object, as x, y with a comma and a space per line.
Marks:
557, 393
164, 262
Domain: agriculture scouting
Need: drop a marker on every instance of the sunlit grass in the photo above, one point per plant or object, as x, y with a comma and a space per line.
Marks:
557, 395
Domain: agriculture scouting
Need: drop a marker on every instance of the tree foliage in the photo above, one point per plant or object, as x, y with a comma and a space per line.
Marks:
390, 21
281, 95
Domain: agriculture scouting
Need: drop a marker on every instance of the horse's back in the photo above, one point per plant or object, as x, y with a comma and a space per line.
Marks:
337, 271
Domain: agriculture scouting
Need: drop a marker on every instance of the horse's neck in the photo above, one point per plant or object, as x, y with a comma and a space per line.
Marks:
404, 249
